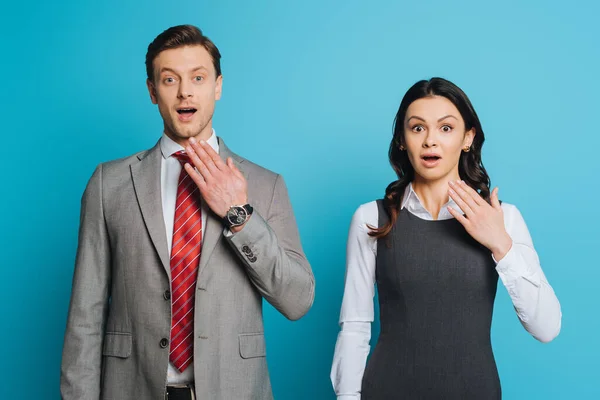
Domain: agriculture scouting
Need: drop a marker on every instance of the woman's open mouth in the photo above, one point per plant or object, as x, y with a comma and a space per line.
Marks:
430, 160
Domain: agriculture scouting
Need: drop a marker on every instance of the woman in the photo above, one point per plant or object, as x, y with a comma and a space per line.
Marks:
435, 246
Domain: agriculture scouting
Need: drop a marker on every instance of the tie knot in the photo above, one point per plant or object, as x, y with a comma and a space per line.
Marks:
182, 157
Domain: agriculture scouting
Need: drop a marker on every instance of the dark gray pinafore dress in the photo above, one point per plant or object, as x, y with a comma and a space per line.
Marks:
436, 287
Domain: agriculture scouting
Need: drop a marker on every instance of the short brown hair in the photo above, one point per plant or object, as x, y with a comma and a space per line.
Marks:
179, 36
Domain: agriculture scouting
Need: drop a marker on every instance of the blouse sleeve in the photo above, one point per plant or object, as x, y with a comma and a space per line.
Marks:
357, 313
534, 300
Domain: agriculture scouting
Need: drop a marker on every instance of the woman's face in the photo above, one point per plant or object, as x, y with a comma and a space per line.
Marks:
434, 137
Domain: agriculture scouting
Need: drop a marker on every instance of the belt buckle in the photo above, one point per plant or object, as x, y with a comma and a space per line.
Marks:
182, 386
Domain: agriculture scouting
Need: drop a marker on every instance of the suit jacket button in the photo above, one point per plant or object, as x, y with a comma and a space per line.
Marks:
246, 250
164, 342
167, 295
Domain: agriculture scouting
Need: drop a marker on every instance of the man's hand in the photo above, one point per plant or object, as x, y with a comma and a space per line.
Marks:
221, 184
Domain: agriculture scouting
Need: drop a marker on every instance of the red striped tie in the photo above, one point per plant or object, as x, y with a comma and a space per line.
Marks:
185, 258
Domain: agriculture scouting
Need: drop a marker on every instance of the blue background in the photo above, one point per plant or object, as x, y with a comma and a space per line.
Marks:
310, 91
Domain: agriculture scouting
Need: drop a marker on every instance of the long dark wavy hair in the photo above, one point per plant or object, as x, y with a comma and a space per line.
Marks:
470, 167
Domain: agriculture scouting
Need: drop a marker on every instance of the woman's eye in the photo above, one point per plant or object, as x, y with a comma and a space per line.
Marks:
446, 128
418, 128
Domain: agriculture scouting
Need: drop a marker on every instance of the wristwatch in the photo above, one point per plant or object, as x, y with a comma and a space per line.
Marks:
237, 215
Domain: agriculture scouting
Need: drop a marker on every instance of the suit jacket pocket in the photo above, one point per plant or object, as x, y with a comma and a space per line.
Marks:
117, 344
252, 345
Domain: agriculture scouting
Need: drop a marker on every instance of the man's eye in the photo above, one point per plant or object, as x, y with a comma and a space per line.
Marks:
199, 78
169, 80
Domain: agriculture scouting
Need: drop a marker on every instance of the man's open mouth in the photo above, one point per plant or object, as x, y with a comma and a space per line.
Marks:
186, 111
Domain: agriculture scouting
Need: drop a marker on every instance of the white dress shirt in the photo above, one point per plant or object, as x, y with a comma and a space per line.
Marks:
534, 300
170, 168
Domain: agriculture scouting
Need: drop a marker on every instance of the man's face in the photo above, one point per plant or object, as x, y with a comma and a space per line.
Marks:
185, 87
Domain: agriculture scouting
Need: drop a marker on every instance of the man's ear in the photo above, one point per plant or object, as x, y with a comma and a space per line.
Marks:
152, 91
219, 87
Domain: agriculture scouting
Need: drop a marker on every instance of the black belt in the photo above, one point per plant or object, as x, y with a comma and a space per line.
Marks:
180, 392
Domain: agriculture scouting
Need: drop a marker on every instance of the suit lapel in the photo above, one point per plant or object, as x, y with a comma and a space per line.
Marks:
214, 226
146, 181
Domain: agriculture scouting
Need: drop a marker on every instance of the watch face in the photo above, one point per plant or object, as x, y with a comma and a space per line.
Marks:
237, 215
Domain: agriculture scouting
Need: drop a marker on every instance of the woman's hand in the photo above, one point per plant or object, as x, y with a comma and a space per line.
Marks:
484, 222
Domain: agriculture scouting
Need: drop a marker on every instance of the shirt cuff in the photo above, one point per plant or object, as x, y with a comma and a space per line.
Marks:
349, 397
228, 233
507, 261
504, 258
513, 266
253, 229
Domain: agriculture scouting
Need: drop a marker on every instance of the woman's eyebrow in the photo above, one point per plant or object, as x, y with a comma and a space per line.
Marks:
447, 116
416, 117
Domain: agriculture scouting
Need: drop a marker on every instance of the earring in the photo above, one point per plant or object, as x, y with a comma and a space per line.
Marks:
467, 149
402, 148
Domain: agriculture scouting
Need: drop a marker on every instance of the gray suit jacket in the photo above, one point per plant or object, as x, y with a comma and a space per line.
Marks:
120, 312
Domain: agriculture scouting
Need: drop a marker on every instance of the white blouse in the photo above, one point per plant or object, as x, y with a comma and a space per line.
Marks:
534, 300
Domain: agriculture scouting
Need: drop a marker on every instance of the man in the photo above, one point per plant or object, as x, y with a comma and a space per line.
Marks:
177, 247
